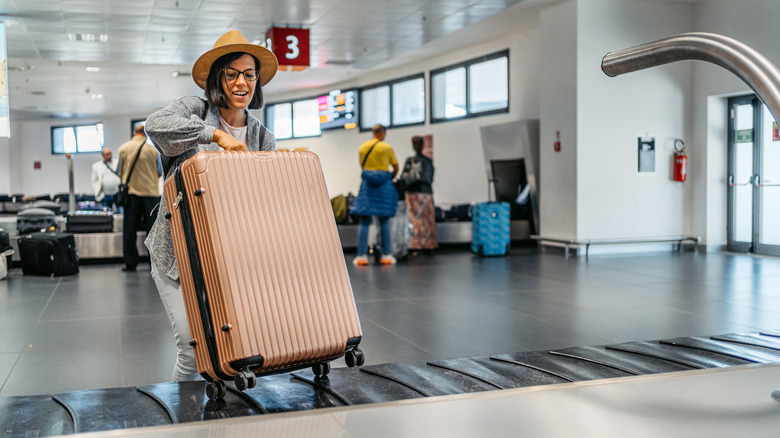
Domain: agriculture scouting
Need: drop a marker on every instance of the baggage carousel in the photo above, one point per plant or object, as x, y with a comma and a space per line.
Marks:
108, 246
551, 391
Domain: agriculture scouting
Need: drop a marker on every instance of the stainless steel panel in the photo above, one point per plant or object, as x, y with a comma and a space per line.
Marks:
446, 232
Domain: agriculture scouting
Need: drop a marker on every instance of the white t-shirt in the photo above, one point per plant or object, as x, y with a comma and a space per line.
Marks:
237, 133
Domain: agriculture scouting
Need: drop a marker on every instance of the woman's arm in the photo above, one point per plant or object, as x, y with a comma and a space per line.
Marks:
179, 126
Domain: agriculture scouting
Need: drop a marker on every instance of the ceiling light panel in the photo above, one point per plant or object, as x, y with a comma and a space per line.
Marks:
124, 23
83, 6
338, 17
220, 6
220, 22
44, 25
27, 6
132, 7
498, 3
170, 6
482, 10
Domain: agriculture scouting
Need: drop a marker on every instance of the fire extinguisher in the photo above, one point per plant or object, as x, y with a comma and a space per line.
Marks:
680, 161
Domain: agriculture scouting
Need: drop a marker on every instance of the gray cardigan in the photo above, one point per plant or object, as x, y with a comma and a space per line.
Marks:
179, 132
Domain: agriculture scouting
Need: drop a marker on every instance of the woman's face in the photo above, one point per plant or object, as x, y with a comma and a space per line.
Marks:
239, 92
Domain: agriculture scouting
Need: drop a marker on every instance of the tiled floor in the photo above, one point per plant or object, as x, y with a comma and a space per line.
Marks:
106, 328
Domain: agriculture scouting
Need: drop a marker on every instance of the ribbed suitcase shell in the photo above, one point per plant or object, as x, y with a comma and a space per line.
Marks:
490, 228
271, 259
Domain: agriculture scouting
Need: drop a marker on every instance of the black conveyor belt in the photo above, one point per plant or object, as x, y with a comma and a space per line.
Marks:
165, 403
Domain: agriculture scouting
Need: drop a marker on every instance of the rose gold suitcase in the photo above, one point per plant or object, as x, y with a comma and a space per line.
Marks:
261, 266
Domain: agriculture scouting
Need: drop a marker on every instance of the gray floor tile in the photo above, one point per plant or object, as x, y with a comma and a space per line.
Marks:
56, 371
14, 336
74, 335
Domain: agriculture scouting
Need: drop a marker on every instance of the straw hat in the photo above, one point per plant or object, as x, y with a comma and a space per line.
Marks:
231, 42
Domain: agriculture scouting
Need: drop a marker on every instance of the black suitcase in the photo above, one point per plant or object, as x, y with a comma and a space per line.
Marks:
35, 219
90, 221
5, 244
459, 213
49, 254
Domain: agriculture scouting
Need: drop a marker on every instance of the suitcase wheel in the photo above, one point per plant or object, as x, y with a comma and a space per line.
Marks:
321, 369
354, 358
245, 379
216, 389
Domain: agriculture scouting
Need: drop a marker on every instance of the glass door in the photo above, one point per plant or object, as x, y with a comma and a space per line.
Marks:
753, 178
769, 186
740, 179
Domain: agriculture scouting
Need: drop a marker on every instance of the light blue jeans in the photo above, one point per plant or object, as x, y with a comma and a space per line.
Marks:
173, 301
384, 234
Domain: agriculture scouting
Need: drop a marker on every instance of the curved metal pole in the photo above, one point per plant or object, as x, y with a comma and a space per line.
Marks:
749, 65
71, 192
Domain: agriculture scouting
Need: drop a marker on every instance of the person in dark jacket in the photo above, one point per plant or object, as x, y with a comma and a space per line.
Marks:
418, 181
377, 195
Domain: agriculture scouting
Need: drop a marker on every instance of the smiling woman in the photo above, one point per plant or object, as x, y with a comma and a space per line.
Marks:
232, 75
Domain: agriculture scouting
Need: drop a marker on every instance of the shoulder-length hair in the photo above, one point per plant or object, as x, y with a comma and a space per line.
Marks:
214, 92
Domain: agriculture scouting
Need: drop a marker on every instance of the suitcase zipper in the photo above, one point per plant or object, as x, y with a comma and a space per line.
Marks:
197, 275
177, 200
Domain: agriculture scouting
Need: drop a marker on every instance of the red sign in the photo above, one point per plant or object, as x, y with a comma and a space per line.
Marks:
290, 45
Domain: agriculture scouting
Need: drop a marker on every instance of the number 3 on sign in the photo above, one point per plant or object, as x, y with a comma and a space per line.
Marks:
293, 47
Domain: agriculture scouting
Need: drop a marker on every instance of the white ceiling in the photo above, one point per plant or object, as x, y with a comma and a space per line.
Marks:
148, 40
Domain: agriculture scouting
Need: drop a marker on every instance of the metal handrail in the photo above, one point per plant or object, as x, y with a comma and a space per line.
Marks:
749, 65
567, 243
612, 241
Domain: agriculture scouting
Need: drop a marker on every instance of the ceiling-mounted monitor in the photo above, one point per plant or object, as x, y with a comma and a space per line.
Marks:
338, 110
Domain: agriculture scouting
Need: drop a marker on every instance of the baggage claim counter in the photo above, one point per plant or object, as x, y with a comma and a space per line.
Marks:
91, 246
108, 246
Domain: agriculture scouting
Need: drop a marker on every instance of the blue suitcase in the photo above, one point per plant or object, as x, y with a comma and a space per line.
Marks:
490, 229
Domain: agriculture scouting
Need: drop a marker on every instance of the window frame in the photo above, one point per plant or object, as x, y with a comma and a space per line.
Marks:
268, 106
466, 65
75, 132
390, 85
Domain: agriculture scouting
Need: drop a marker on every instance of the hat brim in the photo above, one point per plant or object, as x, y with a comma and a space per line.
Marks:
268, 62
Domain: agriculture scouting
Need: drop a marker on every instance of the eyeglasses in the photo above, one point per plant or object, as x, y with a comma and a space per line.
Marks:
232, 74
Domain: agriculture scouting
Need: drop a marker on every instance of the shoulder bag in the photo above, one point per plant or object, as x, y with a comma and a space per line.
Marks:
123, 194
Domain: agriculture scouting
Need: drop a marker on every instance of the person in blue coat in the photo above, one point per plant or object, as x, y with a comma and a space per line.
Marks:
377, 196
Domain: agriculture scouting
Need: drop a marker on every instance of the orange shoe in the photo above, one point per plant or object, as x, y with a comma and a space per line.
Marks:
360, 261
388, 260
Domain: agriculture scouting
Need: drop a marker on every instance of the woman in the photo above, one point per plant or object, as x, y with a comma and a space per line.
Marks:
418, 178
232, 75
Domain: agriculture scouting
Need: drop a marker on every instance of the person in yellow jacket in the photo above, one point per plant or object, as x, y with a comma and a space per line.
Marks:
377, 195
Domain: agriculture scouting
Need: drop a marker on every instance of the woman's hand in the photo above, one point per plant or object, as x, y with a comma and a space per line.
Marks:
227, 142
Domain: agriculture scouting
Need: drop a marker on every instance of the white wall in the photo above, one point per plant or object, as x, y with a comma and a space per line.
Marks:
458, 157
31, 141
558, 88
5, 165
614, 199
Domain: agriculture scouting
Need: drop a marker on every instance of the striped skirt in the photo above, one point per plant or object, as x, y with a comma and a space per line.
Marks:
422, 220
